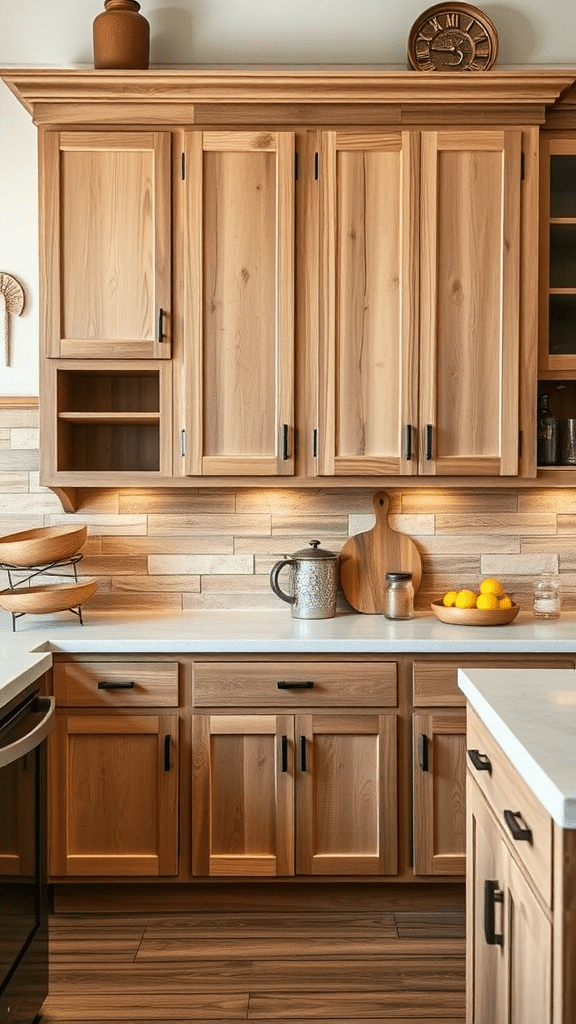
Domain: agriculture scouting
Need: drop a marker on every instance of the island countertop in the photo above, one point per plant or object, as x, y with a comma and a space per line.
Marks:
531, 713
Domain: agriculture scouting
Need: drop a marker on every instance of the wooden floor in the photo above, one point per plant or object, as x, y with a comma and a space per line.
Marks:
326, 968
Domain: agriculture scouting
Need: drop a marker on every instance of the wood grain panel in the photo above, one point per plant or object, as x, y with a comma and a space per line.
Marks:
154, 684
438, 788
245, 684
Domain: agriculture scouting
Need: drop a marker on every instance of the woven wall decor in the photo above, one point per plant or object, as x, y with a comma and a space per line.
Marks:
11, 301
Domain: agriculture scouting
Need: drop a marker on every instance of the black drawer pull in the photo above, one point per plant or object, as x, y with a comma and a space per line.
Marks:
302, 753
127, 684
480, 761
284, 758
492, 895
517, 833
160, 326
167, 764
287, 685
423, 752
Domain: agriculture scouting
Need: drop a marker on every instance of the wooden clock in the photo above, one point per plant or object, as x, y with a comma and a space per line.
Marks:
452, 37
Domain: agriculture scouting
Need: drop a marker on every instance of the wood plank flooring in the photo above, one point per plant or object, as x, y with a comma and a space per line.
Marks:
321, 968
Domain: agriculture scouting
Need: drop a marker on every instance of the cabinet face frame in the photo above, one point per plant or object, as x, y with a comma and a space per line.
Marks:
101, 169
551, 146
219, 336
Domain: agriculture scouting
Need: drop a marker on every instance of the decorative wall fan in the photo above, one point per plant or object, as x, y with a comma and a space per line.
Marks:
11, 301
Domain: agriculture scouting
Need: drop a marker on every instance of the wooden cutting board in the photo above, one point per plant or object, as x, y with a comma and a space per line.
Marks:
366, 558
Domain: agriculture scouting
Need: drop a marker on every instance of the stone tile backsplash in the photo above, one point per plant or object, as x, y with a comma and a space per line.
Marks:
192, 548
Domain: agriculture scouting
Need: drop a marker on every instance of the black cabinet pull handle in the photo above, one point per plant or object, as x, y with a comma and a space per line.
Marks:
284, 757
302, 753
492, 895
285, 440
408, 442
160, 325
480, 761
306, 684
423, 752
127, 684
428, 442
167, 764
517, 833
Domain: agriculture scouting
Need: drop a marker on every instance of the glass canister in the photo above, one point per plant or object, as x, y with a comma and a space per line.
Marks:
399, 598
547, 599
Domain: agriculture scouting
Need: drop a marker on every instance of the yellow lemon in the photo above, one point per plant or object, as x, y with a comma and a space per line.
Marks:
505, 602
487, 601
491, 587
449, 599
465, 599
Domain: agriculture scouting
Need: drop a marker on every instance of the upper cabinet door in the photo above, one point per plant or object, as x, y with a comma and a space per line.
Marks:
368, 371
558, 256
470, 302
238, 316
105, 222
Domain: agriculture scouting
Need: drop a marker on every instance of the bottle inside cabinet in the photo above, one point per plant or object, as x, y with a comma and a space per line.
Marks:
556, 423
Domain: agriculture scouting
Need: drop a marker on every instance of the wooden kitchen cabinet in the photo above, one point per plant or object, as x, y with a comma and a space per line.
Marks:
510, 946
420, 302
439, 758
310, 795
105, 223
113, 763
311, 790
340, 266
236, 263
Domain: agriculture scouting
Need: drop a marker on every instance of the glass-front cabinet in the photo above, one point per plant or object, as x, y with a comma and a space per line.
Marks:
557, 322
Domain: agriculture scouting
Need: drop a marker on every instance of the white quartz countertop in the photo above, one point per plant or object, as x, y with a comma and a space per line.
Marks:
277, 632
532, 715
18, 670
268, 632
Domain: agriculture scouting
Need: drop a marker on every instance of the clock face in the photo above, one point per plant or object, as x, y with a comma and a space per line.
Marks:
453, 37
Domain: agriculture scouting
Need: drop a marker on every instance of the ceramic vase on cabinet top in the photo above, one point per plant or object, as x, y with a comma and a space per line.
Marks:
121, 36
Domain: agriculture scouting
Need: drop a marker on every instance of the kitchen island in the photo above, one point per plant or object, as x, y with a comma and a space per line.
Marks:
521, 846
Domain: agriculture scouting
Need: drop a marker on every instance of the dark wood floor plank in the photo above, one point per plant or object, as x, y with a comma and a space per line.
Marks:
129, 1007
289, 947
181, 978
260, 925
314, 1006
358, 975
433, 926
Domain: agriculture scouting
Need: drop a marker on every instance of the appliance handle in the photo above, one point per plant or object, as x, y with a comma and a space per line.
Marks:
34, 738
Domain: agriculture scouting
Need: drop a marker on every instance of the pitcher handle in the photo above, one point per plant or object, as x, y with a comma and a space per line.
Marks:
274, 580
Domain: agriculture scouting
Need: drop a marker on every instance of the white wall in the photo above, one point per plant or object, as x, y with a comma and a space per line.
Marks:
210, 31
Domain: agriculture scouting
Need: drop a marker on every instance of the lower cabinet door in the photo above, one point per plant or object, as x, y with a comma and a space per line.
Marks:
346, 794
254, 776
439, 784
509, 933
486, 994
243, 795
114, 795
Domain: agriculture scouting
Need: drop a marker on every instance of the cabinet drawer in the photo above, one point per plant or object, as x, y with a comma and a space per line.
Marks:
305, 684
436, 682
116, 684
505, 789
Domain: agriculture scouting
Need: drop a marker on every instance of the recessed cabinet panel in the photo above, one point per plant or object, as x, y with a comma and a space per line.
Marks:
368, 334
557, 327
108, 287
470, 302
238, 279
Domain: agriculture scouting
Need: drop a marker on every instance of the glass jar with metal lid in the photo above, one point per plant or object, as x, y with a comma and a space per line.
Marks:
399, 598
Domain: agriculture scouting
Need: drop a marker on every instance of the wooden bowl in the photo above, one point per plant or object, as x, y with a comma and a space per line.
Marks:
474, 616
54, 597
42, 546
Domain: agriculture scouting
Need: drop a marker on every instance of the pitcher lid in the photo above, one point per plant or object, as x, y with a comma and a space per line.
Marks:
316, 552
